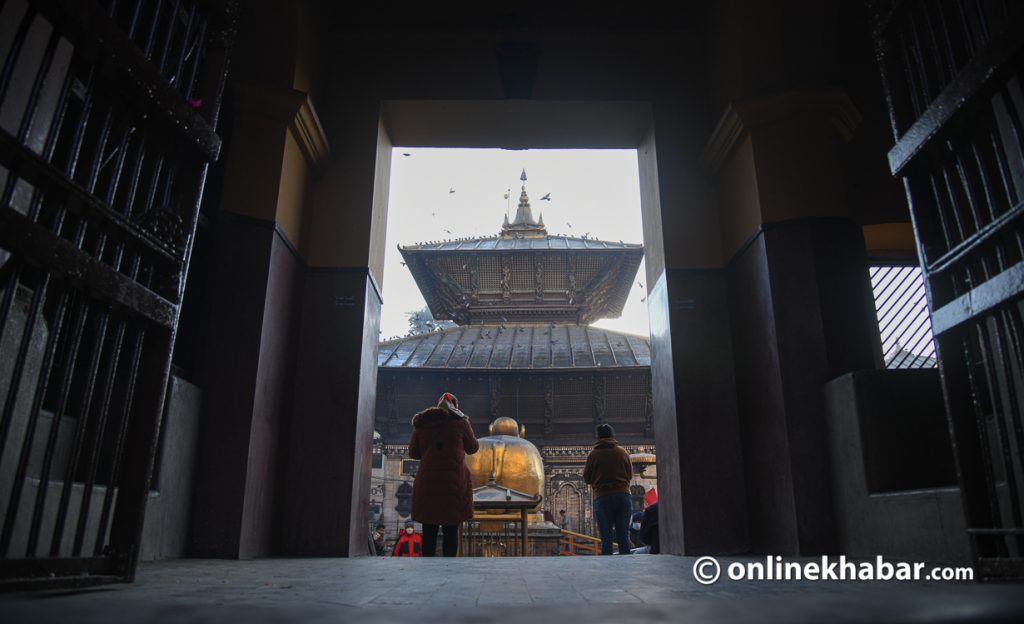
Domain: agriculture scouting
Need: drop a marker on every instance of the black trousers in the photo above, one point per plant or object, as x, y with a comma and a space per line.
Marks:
450, 544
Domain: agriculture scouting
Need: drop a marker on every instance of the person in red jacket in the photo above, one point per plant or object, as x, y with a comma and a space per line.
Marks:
410, 544
442, 493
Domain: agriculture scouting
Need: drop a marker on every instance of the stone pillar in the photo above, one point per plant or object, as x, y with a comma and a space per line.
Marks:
700, 478
330, 436
255, 282
799, 302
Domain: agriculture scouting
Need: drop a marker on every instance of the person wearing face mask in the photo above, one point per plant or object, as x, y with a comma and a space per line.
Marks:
634, 529
410, 544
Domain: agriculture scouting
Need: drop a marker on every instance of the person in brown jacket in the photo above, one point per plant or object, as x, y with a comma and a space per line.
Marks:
442, 492
608, 471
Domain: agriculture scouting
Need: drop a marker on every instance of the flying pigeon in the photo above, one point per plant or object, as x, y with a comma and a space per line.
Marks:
569, 224
546, 197
406, 154
402, 263
640, 284
451, 190
449, 231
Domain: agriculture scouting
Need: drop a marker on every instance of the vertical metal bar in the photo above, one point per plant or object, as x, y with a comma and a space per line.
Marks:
13, 502
62, 313
121, 152
198, 48
133, 23
985, 457
15, 53
998, 410
947, 234
112, 483
176, 74
151, 36
76, 340
1010, 355
97, 157
95, 445
990, 200
969, 192
133, 180
968, 40
945, 71
16, 263
913, 90
928, 92
948, 40
30, 107
18, 369
171, 27
1013, 116
982, 22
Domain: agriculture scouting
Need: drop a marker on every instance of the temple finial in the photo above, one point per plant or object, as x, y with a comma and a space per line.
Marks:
524, 223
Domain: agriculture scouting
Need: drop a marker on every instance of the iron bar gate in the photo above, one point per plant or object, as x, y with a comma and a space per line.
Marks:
108, 112
952, 72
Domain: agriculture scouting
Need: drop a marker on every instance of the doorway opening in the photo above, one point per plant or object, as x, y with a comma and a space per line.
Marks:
515, 280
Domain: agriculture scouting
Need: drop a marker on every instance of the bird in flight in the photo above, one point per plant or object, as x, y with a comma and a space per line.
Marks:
640, 284
447, 230
451, 190
546, 197
406, 154
569, 224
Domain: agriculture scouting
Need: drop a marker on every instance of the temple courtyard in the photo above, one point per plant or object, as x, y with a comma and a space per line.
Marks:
565, 590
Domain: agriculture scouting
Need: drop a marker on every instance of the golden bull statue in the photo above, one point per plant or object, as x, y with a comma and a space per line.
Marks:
508, 459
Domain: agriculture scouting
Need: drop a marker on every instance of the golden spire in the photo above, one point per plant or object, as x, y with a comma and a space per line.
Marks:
524, 225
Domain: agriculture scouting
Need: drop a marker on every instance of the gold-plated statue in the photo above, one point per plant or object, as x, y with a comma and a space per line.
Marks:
508, 459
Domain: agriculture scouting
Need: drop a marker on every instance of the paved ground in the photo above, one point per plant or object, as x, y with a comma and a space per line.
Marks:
634, 589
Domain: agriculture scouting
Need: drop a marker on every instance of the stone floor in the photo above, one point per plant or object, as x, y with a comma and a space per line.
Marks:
565, 590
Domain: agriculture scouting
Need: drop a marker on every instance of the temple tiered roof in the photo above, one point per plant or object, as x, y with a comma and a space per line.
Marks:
516, 346
524, 274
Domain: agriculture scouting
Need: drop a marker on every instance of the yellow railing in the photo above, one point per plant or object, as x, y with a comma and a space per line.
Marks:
573, 543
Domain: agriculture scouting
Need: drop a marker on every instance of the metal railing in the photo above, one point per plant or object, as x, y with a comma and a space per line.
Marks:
903, 319
579, 544
491, 538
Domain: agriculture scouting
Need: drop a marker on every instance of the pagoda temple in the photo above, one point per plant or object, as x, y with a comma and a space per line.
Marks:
522, 347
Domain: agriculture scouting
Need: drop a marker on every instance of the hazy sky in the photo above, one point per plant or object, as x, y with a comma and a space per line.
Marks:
596, 192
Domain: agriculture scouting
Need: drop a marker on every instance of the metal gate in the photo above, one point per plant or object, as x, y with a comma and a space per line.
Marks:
107, 118
953, 73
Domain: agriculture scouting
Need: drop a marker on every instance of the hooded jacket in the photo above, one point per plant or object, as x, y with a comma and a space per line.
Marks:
408, 545
442, 492
608, 469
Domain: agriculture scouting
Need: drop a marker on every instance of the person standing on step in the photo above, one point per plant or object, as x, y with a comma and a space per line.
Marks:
566, 520
608, 471
442, 492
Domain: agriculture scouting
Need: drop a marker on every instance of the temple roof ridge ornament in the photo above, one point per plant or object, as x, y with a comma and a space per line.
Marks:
524, 225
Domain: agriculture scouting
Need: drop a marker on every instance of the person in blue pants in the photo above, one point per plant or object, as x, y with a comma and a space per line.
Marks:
608, 471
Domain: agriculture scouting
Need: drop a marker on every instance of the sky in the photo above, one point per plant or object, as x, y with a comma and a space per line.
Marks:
593, 192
